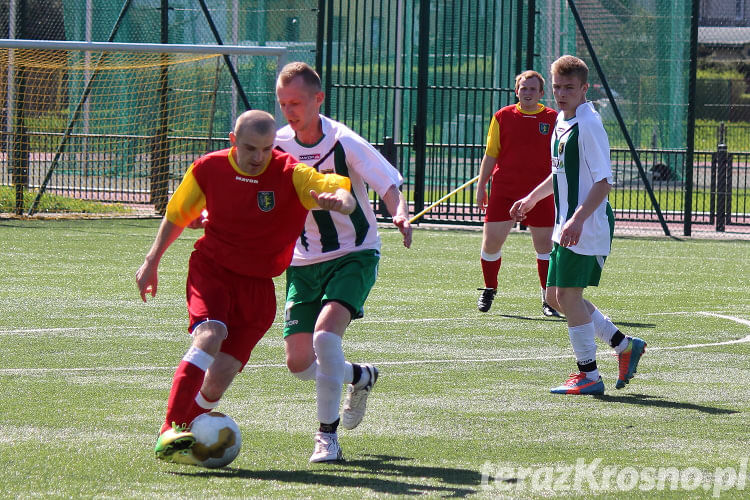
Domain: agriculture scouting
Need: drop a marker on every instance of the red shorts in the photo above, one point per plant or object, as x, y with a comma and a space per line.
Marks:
498, 210
247, 306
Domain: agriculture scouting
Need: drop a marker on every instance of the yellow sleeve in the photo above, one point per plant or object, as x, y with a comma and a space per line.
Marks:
493, 139
306, 178
187, 202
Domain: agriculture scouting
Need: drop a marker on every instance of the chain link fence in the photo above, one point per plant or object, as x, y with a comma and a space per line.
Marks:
420, 79
35, 139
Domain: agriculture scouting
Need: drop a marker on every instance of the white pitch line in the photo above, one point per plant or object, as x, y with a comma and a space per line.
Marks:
746, 339
19, 331
724, 316
71, 329
727, 342
423, 320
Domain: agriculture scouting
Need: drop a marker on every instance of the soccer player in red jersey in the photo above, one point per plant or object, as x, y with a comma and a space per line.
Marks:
517, 158
258, 199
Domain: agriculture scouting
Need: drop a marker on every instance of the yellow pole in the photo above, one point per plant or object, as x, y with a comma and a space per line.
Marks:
459, 188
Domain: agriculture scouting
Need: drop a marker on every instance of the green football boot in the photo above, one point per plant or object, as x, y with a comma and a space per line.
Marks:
174, 445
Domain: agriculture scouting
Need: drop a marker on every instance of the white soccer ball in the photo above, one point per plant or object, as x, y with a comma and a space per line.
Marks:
217, 439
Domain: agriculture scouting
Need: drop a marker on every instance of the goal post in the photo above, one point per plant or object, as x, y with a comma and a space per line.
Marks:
116, 122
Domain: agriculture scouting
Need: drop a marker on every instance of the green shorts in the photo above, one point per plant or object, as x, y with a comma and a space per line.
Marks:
347, 280
568, 269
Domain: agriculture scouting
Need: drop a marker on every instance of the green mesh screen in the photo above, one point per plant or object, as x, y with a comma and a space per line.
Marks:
643, 47
290, 24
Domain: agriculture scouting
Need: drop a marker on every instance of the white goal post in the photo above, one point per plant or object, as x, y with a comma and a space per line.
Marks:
65, 99
280, 53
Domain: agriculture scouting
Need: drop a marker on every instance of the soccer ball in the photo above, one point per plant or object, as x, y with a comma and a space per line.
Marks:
217, 439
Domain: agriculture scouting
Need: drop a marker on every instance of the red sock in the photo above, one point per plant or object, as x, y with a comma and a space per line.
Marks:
542, 267
490, 270
181, 405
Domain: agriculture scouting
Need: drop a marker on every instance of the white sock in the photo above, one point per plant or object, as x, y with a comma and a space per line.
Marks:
584, 346
348, 372
198, 357
330, 375
603, 326
204, 403
622, 346
491, 257
592, 375
364, 378
308, 373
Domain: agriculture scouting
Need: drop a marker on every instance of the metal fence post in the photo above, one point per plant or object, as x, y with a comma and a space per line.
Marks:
722, 160
19, 155
712, 189
721, 134
728, 190
690, 129
388, 150
420, 127
160, 141
19, 139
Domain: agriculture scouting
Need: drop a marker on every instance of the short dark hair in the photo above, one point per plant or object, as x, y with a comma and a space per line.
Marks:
530, 74
568, 65
294, 69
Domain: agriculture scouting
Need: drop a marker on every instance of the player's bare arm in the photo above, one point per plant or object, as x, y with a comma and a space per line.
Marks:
396, 205
147, 277
339, 201
571, 231
485, 170
523, 206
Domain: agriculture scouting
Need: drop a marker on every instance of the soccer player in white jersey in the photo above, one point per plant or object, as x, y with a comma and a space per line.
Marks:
335, 260
581, 179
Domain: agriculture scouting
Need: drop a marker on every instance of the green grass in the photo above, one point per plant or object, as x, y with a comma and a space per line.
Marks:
87, 369
52, 203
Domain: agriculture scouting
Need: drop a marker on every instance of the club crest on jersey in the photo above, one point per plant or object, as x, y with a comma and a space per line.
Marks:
544, 128
560, 148
266, 200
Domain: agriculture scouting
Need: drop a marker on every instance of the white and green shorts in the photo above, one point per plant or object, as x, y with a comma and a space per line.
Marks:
347, 280
568, 269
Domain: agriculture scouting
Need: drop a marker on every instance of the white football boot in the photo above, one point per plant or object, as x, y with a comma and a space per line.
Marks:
327, 448
355, 403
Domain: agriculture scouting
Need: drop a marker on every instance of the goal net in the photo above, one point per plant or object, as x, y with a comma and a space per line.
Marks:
107, 127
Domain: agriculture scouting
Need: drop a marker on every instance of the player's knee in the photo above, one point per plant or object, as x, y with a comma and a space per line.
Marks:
564, 297
328, 347
296, 363
492, 243
492, 254
301, 371
299, 352
209, 335
551, 297
552, 301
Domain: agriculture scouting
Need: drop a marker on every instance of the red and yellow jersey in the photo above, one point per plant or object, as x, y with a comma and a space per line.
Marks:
253, 220
521, 143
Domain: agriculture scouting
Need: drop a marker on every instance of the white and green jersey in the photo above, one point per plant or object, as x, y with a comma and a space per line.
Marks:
580, 158
328, 235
